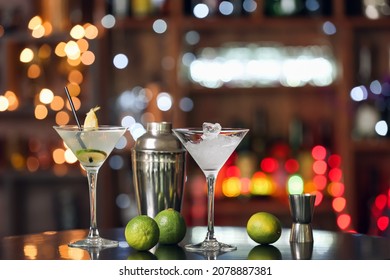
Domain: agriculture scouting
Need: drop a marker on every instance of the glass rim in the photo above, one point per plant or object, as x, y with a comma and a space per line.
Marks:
200, 129
71, 127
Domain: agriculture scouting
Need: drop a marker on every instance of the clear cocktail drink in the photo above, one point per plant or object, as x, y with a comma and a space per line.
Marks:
91, 146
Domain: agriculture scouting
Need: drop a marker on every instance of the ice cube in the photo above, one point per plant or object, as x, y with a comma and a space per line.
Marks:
211, 130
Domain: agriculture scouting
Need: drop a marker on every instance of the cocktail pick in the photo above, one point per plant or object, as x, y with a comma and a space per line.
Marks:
72, 107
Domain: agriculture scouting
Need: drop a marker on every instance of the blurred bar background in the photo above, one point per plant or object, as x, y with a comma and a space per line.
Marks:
309, 78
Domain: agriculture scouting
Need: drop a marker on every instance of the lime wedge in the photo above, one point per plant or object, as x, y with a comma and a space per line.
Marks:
91, 156
91, 120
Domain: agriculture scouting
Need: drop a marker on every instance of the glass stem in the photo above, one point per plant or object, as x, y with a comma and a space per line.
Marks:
210, 177
92, 181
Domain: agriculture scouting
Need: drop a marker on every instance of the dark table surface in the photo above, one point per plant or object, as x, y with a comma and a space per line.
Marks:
327, 245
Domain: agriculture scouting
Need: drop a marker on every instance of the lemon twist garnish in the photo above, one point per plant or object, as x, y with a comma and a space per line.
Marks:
91, 120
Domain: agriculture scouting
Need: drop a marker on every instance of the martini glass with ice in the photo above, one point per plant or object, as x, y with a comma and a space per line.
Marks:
210, 147
91, 146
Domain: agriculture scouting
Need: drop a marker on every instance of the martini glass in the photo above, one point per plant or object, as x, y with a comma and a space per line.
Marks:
210, 151
91, 146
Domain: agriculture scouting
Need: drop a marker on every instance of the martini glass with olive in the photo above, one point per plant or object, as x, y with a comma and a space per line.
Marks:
91, 145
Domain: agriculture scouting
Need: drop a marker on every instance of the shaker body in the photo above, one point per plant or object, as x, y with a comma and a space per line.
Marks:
158, 162
158, 180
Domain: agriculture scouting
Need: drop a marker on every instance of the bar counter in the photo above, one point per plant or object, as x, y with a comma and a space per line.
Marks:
327, 245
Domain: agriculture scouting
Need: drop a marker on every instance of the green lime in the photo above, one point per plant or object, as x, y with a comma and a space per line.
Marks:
264, 252
172, 226
91, 156
264, 228
142, 233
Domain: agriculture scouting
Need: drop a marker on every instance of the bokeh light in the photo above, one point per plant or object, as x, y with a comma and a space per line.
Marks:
120, 61
295, 184
27, 55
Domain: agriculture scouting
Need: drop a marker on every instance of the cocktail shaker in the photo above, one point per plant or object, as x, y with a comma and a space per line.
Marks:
158, 163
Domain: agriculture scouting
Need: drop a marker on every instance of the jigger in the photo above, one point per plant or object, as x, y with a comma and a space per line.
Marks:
302, 209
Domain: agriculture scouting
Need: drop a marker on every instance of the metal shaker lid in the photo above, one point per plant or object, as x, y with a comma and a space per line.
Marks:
159, 138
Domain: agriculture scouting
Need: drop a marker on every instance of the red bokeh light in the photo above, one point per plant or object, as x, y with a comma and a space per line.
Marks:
343, 221
319, 167
245, 185
336, 189
319, 198
380, 201
382, 223
269, 165
339, 204
335, 174
334, 161
291, 165
318, 152
320, 182
233, 171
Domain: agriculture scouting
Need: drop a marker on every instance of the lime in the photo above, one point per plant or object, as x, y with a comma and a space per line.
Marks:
264, 252
91, 120
172, 226
264, 228
91, 156
142, 233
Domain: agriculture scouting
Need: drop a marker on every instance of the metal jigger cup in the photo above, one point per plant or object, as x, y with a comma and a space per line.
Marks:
302, 209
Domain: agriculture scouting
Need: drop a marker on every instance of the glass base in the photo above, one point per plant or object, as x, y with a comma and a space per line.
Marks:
97, 242
210, 246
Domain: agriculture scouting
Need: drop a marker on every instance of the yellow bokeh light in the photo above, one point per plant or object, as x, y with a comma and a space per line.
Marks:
261, 184
30, 251
13, 102
33, 71
59, 156
4, 103
38, 32
72, 50
74, 62
34, 22
88, 58
231, 187
62, 118
75, 76
44, 51
57, 104
83, 45
48, 28
76, 102
46, 96
91, 31
60, 49
27, 55
40, 112
74, 89
70, 157
77, 32
17, 161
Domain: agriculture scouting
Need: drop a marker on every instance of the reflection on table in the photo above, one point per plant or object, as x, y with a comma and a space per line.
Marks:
327, 246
